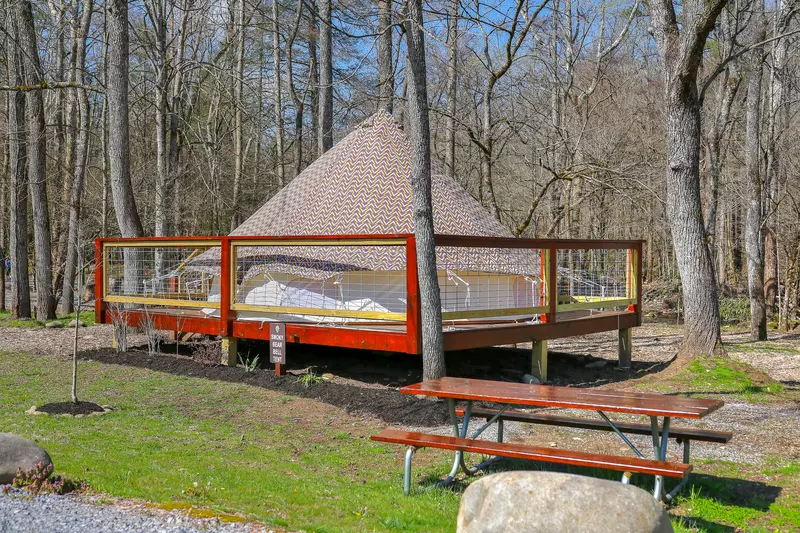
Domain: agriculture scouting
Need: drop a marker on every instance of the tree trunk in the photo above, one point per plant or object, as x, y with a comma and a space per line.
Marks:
158, 15
716, 135
433, 363
80, 161
681, 52
118, 134
385, 63
325, 78
487, 150
17, 143
754, 243
37, 158
238, 122
452, 87
276, 65
128, 220
313, 78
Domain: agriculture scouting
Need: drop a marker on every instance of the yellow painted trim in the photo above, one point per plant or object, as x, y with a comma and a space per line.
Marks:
597, 304
482, 313
162, 244
161, 301
346, 313
324, 242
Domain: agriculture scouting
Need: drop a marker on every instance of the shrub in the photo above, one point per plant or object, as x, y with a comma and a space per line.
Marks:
734, 310
40, 480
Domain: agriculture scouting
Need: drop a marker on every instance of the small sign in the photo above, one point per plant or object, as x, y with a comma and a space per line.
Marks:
277, 344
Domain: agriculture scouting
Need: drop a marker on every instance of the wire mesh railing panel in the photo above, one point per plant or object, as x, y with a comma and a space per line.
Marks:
160, 275
592, 278
490, 282
330, 283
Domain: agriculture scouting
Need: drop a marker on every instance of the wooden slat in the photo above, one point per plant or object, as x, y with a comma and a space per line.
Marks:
168, 302
479, 313
567, 397
596, 304
704, 435
311, 311
534, 453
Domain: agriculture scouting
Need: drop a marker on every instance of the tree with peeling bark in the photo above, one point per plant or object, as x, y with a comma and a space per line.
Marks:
433, 363
681, 46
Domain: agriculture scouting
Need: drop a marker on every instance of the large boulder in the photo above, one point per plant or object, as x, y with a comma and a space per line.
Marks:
551, 502
16, 452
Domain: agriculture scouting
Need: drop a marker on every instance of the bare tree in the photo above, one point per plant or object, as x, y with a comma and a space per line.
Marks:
325, 77
276, 65
238, 124
81, 156
385, 63
452, 87
18, 231
37, 159
433, 363
754, 243
681, 49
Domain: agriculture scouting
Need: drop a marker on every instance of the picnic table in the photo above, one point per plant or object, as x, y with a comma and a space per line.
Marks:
659, 408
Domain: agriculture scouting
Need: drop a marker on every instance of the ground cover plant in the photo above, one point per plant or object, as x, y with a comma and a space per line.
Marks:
234, 447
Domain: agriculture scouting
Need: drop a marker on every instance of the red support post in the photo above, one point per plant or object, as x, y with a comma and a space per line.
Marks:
413, 309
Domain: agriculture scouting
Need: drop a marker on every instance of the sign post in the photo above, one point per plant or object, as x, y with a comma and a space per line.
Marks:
277, 346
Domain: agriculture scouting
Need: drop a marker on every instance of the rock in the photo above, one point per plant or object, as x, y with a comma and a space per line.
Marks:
531, 380
16, 452
552, 502
80, 324
596, 364
54, 325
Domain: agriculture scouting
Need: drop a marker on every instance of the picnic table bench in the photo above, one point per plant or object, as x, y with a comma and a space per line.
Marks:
601, 401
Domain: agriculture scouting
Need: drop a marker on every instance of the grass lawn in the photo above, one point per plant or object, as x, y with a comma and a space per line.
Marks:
87, 317
292, 462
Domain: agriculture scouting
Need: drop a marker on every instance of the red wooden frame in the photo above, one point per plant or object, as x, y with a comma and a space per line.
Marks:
408, 341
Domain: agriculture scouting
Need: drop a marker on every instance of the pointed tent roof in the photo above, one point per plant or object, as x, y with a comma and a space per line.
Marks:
363, 186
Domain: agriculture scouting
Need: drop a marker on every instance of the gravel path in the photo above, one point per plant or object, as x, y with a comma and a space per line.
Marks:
20, 513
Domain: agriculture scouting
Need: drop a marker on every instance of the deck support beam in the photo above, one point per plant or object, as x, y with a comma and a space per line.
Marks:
230, 351
625, 349
539, 360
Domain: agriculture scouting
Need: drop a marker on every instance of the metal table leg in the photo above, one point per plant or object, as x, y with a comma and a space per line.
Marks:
462, 433
659, 451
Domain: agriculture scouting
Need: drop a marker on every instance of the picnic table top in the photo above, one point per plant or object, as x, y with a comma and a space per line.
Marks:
565, 397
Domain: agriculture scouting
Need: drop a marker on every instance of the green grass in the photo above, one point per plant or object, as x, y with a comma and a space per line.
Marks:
726, 376
6, 321
763, 347
237, 449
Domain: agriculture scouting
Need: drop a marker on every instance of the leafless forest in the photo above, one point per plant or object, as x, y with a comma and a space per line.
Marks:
674, 123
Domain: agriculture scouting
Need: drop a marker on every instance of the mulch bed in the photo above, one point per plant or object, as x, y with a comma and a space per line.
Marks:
69, 408
385, 404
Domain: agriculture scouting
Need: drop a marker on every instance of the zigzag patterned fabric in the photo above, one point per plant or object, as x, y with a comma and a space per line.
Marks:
363, 186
